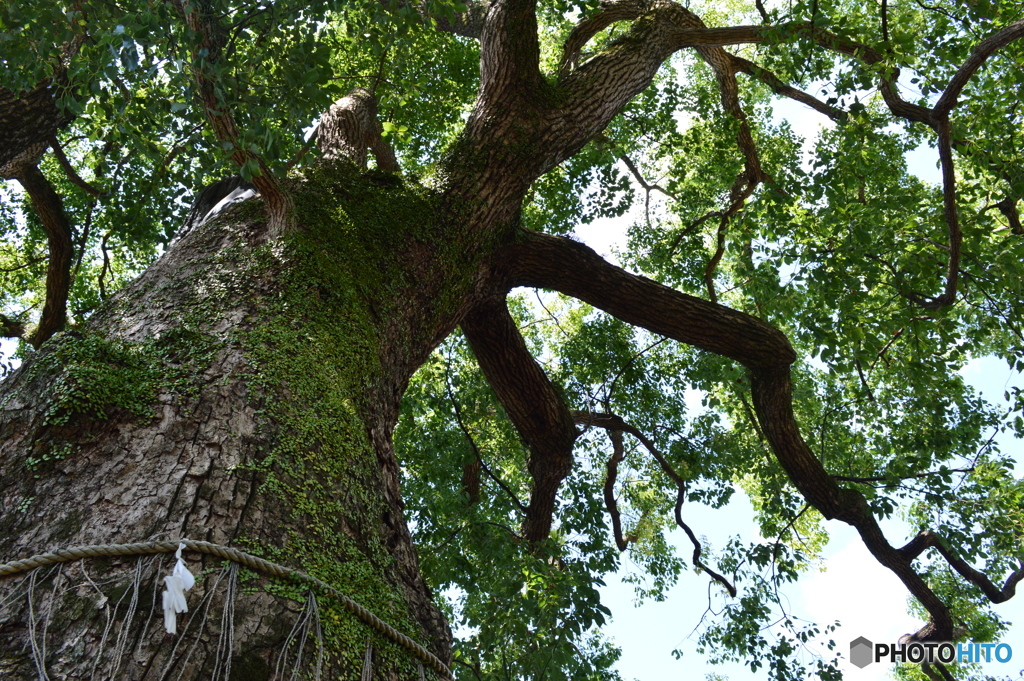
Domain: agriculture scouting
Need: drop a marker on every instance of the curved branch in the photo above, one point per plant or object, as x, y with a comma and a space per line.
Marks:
612, 467
981, 52
532, 403
596, 91
608, 13
212, 36
782, 89
70, 171
1008, 207
545, 261
616, 426
927, 539
574, 269
50, 208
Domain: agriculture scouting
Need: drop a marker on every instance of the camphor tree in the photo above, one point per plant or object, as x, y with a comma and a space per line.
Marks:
301, 374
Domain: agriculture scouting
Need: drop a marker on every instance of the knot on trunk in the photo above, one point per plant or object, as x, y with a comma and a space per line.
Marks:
350, 127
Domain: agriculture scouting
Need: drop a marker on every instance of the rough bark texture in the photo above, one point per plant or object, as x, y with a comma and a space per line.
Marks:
213, 429
28, 122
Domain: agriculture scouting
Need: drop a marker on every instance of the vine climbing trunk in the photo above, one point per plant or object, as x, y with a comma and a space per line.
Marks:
241, 392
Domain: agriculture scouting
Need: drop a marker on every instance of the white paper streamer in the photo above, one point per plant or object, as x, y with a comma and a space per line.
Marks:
179, 581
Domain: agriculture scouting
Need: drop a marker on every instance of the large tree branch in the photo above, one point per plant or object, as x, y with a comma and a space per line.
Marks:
28, 122
558, 263
509, 59
532, 403
545, 261
54, 219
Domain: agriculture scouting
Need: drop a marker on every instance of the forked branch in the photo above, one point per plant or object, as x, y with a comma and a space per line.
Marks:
532, 403
615, 427
938, 119
572, 268
927, 539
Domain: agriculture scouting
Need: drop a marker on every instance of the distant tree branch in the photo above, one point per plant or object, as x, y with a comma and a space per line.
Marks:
784, 90
476, 450
70, 171
23, 265
212, 36
50, 209
979, 55
612, 472
531, 402
740, 191
938, 119
927, 474
615, 426
468, 24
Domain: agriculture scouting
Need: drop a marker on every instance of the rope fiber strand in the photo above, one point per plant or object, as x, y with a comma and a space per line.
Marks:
242, 558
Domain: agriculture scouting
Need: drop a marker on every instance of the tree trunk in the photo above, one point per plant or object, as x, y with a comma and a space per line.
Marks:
242, 391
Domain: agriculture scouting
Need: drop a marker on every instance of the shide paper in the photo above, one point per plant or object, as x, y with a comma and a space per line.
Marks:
177, 583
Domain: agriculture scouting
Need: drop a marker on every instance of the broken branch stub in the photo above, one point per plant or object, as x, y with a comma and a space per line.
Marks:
350, 127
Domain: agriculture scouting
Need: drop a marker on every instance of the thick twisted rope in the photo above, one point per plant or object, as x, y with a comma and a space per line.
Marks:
242, 558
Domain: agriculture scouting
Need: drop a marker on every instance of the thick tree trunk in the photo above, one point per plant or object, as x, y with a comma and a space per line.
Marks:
243, 392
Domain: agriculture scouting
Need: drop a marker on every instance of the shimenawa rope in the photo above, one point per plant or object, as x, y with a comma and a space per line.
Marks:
242, 558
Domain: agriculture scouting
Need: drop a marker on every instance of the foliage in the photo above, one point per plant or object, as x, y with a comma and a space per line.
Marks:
832, 250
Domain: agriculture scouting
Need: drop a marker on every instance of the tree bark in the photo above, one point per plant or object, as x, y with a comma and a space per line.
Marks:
243, 392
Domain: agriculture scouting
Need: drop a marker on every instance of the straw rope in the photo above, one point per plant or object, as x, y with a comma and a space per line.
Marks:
242, 558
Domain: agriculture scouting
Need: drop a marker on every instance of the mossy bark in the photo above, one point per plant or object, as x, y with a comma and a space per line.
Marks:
242, 391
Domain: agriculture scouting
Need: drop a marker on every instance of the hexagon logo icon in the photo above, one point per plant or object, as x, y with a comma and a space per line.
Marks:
860, 652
